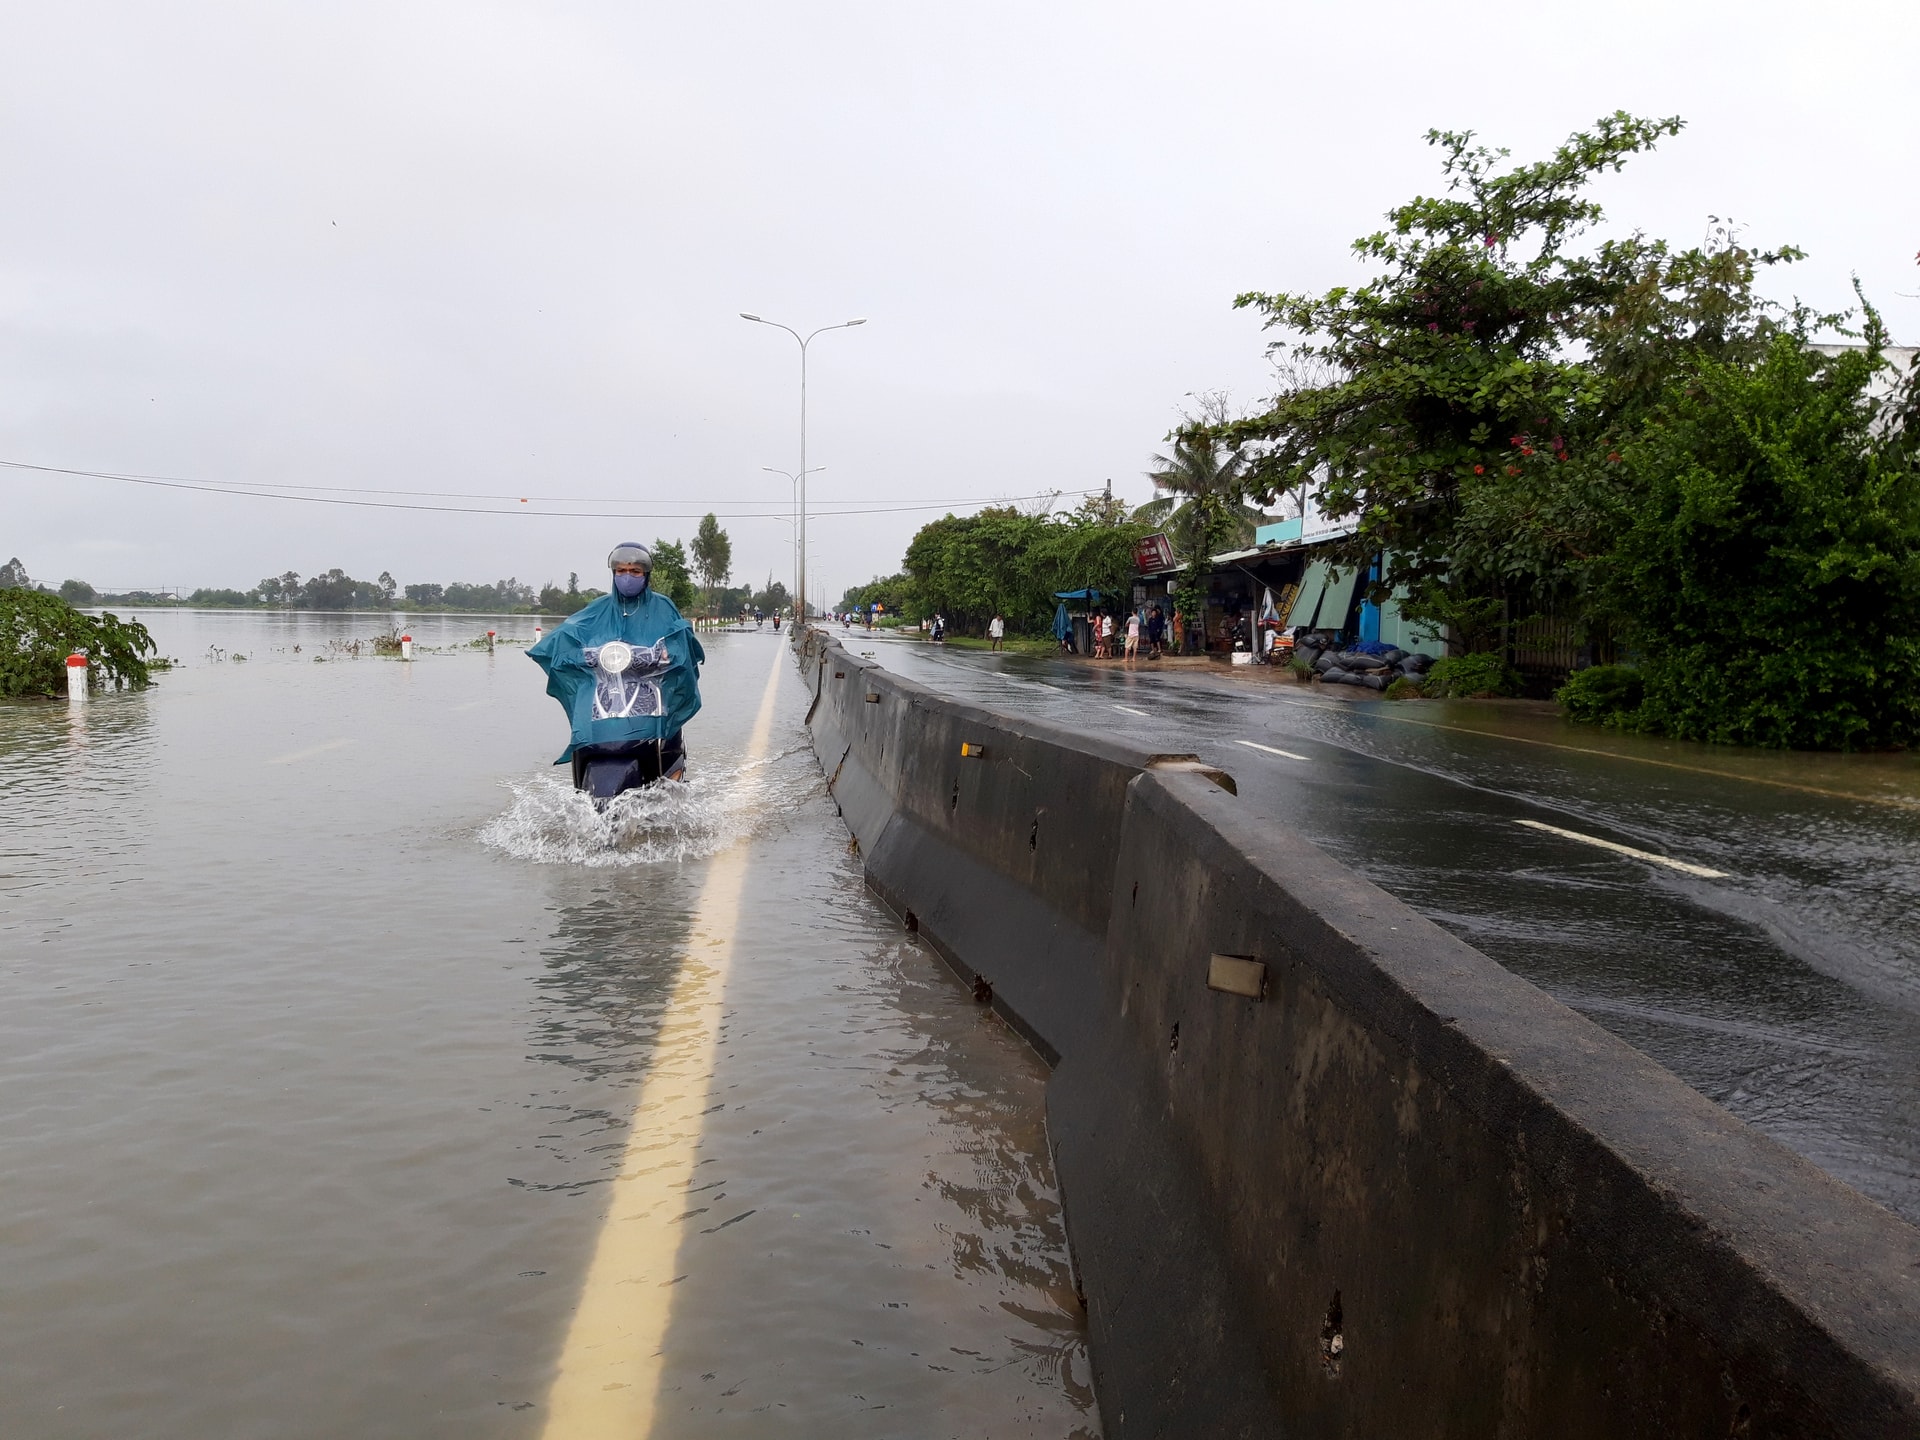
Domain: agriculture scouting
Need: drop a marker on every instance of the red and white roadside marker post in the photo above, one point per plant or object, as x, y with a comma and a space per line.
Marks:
406, 647
76, 679
490, 635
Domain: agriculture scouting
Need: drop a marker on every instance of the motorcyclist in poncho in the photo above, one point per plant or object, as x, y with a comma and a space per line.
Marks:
626, 668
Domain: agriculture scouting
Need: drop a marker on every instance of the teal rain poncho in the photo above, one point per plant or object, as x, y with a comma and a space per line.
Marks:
651, 699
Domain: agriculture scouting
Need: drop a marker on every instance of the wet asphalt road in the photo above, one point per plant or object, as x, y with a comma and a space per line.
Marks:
1784, 984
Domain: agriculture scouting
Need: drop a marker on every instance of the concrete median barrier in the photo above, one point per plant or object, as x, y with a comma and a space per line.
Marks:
1329, 1170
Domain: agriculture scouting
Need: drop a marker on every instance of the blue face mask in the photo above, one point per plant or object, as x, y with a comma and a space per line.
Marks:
628, 586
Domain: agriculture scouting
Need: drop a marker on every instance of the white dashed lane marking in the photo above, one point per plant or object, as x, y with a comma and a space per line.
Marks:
1131, 711
1667, 860
1283, 754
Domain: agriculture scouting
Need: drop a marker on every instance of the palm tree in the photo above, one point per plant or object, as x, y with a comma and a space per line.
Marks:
1202, 506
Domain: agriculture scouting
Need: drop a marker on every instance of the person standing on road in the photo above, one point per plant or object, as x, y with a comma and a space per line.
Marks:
1133, 636
1179, 632
996, 630
1156, 632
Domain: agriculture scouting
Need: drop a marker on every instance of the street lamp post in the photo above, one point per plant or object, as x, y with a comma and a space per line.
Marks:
804, 341
794, 481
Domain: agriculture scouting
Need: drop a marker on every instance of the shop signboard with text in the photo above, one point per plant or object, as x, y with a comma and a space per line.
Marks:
1153, 553
1315, 524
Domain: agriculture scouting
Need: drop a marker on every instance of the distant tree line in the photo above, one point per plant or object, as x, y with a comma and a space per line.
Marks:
336, 590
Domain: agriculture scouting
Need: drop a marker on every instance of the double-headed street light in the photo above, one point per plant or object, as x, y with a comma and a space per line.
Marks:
804, 341
794, 481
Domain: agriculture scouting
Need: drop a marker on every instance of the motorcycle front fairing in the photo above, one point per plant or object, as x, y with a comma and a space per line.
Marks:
650, 697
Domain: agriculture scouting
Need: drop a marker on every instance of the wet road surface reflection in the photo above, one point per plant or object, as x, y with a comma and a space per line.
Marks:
323, 1040
1787, 989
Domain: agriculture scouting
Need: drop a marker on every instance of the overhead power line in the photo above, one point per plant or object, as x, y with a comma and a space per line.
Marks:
339, 495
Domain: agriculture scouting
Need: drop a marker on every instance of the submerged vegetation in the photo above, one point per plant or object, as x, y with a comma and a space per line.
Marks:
39, 630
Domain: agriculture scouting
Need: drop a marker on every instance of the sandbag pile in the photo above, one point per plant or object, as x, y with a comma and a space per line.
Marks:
1371, 665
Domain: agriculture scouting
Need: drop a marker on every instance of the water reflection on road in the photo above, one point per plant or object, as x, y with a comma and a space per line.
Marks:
314, 1091
1787, 990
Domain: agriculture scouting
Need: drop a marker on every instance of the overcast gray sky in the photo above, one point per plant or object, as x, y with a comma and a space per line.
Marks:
500, 248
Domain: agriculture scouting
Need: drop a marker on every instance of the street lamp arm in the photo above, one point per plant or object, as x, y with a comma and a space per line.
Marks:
843, 325
777, 326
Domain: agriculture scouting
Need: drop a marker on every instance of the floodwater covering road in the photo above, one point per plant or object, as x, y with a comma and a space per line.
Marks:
347, 1054
1760, 944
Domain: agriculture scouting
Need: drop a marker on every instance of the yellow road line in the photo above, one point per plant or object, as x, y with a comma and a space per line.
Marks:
608, 1380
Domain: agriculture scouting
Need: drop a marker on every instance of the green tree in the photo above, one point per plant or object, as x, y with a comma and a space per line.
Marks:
1102, 507
1769, 576
1201, 487
670, 574
1202, 509
555, 601
78, 592
1412, 396
773, 598
712, 552
38, 630
1001, 561
895, 592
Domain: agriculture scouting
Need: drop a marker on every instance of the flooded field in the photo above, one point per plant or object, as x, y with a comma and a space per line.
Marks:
334, 1028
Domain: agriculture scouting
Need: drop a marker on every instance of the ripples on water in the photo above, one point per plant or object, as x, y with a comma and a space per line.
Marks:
551, 823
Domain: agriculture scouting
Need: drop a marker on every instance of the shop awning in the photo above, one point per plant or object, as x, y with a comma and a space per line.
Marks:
1313, 585
1338, 599
1092, 595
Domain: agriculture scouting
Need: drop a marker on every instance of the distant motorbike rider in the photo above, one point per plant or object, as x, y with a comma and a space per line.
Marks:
626, 668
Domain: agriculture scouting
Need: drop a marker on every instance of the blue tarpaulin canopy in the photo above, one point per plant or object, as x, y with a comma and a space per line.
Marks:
1092, 596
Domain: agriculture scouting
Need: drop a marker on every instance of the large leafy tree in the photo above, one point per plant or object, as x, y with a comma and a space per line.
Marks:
1459, 358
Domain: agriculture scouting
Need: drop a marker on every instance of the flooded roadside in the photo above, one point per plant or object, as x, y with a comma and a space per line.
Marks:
322, 1038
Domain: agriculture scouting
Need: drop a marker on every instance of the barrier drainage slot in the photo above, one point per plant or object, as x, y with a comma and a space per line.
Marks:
1237, 975
872, 699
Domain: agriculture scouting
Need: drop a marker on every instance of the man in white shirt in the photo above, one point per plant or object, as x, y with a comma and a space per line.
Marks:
996, 631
